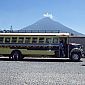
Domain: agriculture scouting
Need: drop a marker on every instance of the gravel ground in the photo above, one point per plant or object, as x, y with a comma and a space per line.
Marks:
37, 72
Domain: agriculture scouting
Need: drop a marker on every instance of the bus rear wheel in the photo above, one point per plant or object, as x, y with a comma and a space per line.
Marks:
15, 55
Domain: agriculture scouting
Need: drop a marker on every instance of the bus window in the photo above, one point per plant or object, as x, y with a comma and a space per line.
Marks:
41, 40
55, 40
34, 40
21, 39
27, 40
1, 39
7, 40
65, 41
48, 40
14, 39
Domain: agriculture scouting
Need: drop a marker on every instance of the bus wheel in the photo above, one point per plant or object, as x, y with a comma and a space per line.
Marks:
16, 55
75, 56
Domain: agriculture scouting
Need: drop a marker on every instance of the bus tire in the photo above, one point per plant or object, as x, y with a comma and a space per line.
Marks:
75, 56
16, 55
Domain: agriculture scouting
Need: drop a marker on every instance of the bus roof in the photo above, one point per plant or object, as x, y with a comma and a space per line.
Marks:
36, 34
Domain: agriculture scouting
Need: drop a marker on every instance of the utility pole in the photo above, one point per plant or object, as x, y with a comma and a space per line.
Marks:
11, 28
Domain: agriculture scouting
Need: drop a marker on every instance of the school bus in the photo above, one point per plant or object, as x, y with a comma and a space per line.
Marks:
19, 45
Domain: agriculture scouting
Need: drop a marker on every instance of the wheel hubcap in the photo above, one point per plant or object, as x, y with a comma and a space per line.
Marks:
75, 56
15, 56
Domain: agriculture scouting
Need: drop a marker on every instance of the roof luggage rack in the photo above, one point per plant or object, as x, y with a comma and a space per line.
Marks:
30, 31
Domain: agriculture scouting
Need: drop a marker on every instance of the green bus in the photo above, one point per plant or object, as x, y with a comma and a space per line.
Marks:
47, 45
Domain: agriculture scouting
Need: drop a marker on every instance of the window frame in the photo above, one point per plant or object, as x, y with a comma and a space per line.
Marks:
2, 40
20, 40
15, 38
54, 42
41, 41
7, 41
27, 40
34, 40
47, 41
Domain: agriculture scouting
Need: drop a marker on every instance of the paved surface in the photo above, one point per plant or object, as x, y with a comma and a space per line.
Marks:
42, 72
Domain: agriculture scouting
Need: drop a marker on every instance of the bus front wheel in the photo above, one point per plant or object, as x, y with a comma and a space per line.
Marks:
75, 56
15, 55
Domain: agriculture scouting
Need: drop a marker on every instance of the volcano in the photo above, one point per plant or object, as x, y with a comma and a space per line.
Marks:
49, 24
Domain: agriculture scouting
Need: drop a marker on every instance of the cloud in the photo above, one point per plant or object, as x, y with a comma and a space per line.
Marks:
48, 15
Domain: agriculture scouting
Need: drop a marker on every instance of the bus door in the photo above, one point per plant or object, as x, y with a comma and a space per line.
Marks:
63, 47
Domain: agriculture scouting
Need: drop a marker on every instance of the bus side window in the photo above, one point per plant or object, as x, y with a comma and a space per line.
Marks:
7, 39
34, 40
1, 39
14, 40
41, 40
21, 40
55, 40
48, 40
27, 40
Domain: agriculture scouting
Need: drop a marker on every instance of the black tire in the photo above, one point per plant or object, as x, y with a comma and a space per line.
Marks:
75, 57
15, 55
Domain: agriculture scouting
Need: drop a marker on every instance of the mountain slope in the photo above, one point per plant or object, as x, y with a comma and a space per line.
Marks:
49, 24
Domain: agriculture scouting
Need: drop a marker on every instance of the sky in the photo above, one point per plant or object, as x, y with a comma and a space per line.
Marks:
22, 13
